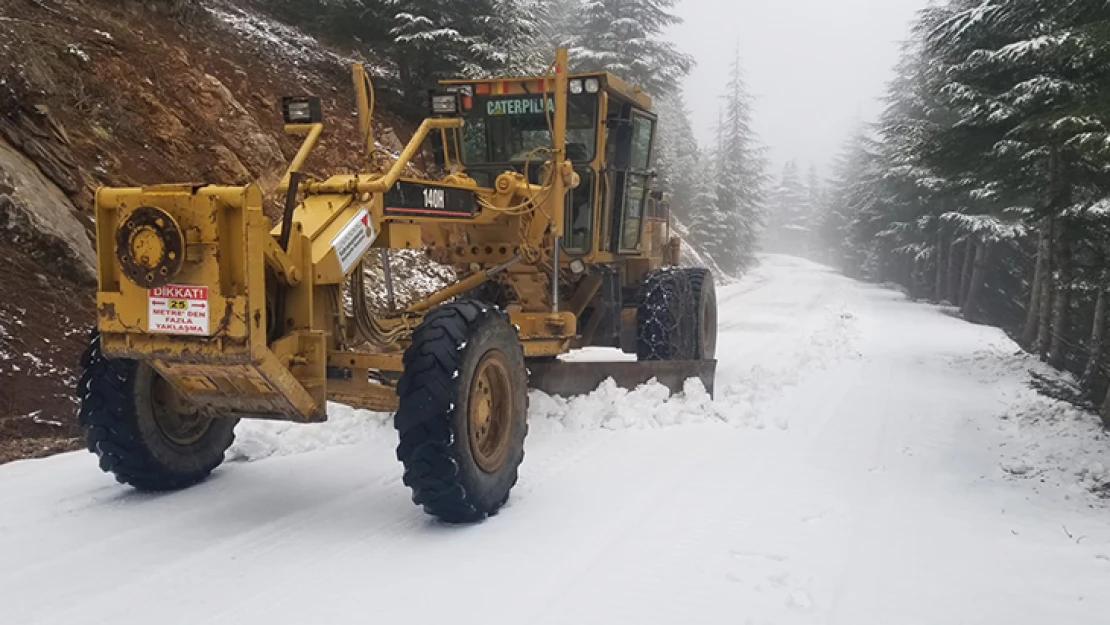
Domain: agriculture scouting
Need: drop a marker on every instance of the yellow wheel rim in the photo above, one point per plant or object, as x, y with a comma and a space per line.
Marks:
178, 420
490, 412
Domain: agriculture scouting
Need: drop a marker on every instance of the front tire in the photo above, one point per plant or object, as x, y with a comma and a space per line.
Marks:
462, 417
144, 433
664, 317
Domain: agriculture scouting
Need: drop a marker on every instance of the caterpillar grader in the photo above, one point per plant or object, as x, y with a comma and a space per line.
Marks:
208, 312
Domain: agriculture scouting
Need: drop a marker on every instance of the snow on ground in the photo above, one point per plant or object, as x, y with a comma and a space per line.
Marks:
868, 460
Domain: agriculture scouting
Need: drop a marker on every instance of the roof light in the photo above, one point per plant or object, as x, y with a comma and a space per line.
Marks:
576, 86
593, 85
301, 110
445, 104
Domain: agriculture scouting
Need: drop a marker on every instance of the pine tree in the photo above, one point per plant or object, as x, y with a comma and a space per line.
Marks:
625, 37
1024, 80
677, 155
995, 127
710, 228
437, 39
789, 214
849, 205
563, 20
512, 31
815, 190
730, 230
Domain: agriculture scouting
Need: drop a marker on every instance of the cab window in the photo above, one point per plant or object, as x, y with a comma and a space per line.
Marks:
579, 214
512, 129
636, 181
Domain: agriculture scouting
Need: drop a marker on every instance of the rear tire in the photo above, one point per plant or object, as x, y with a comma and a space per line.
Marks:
139, 429
462, 417
664, 318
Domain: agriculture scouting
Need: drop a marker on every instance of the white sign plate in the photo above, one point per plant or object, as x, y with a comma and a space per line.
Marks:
178, 309
353, 240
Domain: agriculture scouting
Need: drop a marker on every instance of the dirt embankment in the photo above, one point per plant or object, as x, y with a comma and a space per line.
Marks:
114, 92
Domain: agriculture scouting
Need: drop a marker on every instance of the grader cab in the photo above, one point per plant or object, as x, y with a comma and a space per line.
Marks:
208, 313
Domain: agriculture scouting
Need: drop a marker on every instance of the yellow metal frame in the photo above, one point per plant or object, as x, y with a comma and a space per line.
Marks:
277, 346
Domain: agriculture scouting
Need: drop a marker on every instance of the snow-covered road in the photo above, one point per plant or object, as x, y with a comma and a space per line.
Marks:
868, 461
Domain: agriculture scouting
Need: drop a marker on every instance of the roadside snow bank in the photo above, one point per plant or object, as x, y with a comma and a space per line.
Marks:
1049, 441
1060, 444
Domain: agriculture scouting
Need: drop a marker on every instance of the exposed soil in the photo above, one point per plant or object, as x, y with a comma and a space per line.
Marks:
39, 357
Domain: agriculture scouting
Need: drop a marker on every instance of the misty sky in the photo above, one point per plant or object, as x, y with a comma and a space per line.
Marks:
814, 66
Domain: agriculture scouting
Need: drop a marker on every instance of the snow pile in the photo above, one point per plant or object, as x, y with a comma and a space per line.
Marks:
255, 440
1048, 440
648, 407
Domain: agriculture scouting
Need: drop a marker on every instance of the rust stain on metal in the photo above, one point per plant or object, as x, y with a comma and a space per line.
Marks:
107, 310
225, 321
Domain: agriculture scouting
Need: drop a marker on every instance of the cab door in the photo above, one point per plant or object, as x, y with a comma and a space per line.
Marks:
633, 139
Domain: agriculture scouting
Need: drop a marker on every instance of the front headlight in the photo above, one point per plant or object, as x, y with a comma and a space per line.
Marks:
593, 85
576, 86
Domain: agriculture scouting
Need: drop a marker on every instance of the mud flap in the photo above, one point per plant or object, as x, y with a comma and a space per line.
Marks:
568, 379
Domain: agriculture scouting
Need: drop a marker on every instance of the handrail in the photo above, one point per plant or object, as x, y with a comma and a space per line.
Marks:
313, 135
382, 183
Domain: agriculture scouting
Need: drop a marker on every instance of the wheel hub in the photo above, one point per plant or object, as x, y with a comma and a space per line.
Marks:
150, 247
490, 412
178, 420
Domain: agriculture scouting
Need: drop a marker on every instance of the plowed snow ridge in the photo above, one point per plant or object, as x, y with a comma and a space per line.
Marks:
868, 460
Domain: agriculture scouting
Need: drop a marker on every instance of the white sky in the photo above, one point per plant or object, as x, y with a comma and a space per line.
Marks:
814, 66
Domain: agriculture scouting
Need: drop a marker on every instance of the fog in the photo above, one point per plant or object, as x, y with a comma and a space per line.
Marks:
813, 66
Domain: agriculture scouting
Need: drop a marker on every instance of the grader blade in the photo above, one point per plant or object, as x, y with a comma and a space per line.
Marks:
568, 379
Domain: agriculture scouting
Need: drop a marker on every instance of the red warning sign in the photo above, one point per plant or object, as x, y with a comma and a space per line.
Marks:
178, 309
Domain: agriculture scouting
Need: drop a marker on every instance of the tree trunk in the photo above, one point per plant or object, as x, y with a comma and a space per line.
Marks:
954, 266
942, 271
965, 276
1048, 288
1098, 338
977, 281
1062, 300
1044, 331
911, 276
1105, 412
1032, 315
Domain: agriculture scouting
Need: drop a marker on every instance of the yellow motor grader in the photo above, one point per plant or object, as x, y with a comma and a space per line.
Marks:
209, 313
